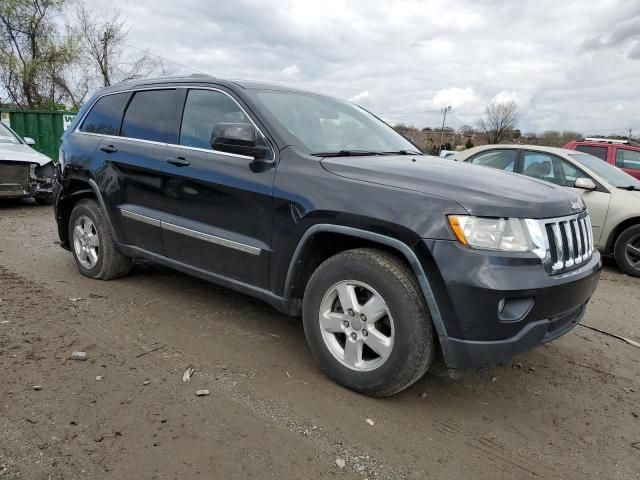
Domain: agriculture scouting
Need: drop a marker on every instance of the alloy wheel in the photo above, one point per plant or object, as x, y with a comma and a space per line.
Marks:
356, 325
86, 242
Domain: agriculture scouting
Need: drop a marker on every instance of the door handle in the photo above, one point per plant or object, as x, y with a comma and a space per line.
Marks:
109, 149
179, 161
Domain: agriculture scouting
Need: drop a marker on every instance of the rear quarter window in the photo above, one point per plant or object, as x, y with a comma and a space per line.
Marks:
105, 115
600, 152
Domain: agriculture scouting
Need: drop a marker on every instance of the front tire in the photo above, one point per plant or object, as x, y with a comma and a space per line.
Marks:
366, 322
93, 247
627, 251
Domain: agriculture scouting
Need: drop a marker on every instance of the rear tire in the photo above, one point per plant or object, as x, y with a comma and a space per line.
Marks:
93, 247
627, 251
380, 355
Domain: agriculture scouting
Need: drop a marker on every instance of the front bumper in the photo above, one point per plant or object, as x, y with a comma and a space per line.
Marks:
494, 307
20, 180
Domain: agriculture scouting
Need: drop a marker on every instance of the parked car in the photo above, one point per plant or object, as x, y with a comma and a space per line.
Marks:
621, 153
319, 208
612, 196
24, 172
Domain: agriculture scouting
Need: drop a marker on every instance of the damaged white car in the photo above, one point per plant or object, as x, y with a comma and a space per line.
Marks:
24, 172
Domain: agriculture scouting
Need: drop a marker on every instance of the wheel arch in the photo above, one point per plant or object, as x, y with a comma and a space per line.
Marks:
74, 191
615, 233
324, 240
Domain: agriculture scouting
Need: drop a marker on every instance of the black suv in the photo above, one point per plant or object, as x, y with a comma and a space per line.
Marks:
319, 208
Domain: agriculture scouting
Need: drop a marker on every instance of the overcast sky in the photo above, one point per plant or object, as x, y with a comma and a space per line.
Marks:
569, 64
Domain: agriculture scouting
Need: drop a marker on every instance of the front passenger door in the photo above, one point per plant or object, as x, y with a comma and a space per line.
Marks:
217, 205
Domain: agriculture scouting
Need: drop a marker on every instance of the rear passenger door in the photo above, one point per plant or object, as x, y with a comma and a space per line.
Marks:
132, 163
217, 206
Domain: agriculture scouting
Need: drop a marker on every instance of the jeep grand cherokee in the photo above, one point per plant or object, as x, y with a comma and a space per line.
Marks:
319, 208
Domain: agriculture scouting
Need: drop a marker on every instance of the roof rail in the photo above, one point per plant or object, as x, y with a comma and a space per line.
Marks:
607, 140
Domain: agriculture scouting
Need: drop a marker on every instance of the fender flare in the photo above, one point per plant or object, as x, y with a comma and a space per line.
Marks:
394, 243
103, 206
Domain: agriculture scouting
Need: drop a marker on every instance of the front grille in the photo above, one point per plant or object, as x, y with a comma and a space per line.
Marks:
14, 173
570, 241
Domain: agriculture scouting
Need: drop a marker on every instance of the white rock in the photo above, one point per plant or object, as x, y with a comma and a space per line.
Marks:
370, 422
341, 463
99, 378
79, 355
202, 393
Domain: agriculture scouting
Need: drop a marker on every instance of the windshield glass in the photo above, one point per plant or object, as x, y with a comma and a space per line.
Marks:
6, 135
608, 172
327, 125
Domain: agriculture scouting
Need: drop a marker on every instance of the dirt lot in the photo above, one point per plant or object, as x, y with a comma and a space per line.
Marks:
566, 410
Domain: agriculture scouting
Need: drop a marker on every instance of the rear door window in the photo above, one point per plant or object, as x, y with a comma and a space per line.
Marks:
600, 152
500, 159
105, 115
626, 158
149, 116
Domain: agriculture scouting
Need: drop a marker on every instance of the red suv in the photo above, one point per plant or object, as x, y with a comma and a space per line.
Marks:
623, 154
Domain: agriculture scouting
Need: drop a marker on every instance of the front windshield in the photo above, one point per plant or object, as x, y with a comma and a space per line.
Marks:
6, 135
327, 125
608, 172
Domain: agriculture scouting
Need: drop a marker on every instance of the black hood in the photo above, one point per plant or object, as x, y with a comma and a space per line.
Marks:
482, 191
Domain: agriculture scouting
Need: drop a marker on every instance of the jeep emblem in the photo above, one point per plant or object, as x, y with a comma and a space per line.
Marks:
576, 206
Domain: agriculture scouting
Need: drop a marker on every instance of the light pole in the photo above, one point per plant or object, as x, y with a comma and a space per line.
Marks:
444, 118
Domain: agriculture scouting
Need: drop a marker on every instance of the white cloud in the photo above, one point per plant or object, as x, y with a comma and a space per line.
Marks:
455, 97
506, 96
360, 97
291, 71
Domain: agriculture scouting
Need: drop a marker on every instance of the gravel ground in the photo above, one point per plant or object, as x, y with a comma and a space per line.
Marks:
566, 410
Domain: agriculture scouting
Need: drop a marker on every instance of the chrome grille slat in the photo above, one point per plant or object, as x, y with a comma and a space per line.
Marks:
570, 241
569, 236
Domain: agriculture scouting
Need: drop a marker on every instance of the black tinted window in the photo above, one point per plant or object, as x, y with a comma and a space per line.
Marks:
105, 115
600, 152
149, 115
202, 111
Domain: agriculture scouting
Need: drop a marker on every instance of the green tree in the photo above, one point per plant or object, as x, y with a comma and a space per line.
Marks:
36, 57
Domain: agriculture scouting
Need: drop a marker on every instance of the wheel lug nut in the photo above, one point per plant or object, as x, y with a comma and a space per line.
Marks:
346, 324
363, 317
350, 313
354, 336
364, 333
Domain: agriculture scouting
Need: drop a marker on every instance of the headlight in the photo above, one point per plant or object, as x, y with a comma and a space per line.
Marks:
503, 234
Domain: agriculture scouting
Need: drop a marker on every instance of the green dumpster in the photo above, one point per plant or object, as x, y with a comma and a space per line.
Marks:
45, 127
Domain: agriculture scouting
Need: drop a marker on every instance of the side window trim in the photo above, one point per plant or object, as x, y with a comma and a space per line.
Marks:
179, 113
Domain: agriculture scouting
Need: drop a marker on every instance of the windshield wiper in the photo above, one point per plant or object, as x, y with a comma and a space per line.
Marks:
404, 152
346, 153
630, 187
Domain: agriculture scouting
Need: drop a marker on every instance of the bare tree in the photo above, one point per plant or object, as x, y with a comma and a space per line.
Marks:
103, 39
34, 58
498, 122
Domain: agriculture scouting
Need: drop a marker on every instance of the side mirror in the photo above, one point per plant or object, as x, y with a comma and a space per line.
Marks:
585, 184
29, 141
239, 138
